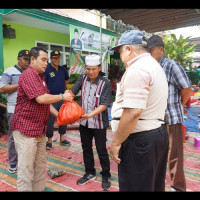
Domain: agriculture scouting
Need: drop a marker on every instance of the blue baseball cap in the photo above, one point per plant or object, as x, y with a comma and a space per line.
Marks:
130, 37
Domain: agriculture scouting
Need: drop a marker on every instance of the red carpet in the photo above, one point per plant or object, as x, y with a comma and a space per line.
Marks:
69, 159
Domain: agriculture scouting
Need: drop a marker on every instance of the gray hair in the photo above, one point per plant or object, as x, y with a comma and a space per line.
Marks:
136, 47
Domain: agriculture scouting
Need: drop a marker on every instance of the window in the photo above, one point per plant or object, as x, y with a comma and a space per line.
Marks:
64, 50
42, 45
56, 47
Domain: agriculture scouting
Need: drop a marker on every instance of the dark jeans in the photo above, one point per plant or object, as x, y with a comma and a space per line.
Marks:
144, 161
87, 135
50, 124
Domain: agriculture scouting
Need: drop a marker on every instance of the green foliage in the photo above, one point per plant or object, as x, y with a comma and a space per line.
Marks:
73, 78
194, 76
115, 71
1, 72
179, 49
3, 98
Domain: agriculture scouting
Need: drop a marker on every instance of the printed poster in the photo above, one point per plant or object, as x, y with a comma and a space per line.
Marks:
88, 40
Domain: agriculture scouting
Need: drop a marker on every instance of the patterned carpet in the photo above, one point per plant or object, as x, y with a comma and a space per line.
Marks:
69, 159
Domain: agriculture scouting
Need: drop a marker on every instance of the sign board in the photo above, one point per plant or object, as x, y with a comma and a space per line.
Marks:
88, 40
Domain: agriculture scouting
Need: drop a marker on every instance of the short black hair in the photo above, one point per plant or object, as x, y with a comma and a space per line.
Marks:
75, 30
35, 52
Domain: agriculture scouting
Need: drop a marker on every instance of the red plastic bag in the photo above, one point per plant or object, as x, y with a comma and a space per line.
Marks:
69, 113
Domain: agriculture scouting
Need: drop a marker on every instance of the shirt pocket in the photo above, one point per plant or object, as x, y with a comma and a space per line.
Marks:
96, 100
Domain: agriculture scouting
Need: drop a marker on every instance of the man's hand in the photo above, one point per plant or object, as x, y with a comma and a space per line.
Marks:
98, 110
70, 92
185, 111
127, 123
85, 116
68, 96
114, 152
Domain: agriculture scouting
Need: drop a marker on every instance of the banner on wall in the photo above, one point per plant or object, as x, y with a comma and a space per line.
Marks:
76, 63
88, 40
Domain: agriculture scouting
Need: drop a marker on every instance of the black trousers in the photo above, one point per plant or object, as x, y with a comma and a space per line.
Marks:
99, 135
144, 161
50, 123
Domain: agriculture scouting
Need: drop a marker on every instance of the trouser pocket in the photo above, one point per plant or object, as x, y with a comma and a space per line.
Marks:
124, 152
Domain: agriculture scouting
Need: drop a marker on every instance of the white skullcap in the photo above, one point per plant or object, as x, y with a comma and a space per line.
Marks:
92, 60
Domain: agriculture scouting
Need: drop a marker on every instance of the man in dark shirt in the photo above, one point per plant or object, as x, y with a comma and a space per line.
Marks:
56, 77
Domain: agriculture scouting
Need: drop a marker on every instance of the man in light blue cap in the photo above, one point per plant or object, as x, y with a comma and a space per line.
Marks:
140, 142
131, 37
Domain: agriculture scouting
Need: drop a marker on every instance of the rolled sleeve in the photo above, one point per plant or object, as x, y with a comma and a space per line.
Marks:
180, 77
5, 80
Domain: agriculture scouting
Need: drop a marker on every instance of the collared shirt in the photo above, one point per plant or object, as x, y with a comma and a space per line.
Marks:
10, 77
92, 95
30, 117
177, 80
143, 86
56, 79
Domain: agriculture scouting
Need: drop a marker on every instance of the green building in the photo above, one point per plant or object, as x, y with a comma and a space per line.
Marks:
38, 27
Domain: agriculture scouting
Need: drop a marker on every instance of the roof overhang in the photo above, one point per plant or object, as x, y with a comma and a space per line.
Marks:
155, 20
50, 19
19, 18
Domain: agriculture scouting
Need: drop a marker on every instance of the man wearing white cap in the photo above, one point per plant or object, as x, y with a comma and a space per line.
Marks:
140, 142
95, 97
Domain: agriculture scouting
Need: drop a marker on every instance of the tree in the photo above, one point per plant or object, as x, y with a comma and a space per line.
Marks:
179, 49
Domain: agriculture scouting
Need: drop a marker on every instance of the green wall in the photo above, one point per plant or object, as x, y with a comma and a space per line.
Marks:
25, 39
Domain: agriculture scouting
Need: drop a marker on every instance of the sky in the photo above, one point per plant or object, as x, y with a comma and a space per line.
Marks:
193, 31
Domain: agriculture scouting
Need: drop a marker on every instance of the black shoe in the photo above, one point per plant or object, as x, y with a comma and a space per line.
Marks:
85, 179
12, 169
65, 142
48, 145
105, 183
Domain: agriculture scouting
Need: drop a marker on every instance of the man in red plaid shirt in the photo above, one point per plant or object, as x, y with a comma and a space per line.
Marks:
29, 122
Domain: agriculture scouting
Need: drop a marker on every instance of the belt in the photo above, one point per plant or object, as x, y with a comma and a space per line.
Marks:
143, 133
118, 118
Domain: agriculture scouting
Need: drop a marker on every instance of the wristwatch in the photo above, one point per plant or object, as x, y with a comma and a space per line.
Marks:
62, 96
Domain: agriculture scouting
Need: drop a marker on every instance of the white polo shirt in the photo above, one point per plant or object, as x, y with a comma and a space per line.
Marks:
143, 85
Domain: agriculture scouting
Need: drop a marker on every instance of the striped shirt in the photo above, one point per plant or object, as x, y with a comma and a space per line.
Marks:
92, 95
10, 77
177, 80
30, 117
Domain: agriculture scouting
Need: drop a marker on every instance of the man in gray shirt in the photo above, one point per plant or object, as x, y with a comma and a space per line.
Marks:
9, 85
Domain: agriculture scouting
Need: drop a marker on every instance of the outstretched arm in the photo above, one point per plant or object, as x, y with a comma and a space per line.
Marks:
98, 110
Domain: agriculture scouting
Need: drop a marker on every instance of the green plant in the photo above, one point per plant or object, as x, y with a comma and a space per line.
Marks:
73, 78
179, 49
115, 71
3, 98
4, 121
